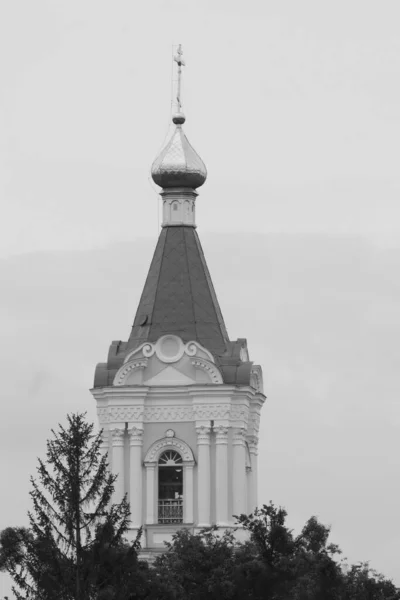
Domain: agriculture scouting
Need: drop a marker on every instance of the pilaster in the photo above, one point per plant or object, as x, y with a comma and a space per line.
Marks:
252, 479
239, 472
150, 488
118, 437
203, 476
135, 475
221, 474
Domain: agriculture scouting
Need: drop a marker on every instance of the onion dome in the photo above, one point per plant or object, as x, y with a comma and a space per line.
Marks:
178, 164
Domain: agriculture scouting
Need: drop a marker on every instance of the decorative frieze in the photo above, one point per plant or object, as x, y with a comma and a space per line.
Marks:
239, 413
116, 414
211, 411
153, 414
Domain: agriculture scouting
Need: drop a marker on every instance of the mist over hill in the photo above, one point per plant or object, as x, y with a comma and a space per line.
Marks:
321, 315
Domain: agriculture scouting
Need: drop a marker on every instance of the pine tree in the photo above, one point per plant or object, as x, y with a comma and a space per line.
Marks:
57, 556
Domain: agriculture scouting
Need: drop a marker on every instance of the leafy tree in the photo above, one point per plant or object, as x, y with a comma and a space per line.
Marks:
300, 568
198, 566
363, 583
75, 533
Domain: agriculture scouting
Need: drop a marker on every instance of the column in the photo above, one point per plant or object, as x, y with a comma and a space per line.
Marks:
203, 476
253, 475
135, 475
239, 473
221, 474
150, 500
188, 492
117, 436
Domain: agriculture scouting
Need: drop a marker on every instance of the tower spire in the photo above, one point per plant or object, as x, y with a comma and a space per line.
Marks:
178, 169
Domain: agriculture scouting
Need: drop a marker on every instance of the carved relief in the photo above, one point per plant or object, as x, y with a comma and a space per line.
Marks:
255, 422
135, 436
117, 436
203, 434
221, 434
161, 445
240, 413
163, 349
239, 437
252, 442
199, 412
125, 413
102, 414
153, 414
256, 379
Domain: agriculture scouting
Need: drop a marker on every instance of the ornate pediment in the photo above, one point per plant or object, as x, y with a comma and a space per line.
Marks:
169, 361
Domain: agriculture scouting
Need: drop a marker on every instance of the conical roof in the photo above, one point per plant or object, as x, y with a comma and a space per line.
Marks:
178, 296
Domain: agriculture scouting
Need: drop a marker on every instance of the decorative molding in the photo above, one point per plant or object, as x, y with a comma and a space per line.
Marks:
252, 441
239, 437
244, 354
240, 413
221, 434
135, 436
148, 414
255, 422
124, 372
170, 433
210, 369
203, 435
102, 415
148, 350
117, 436
161, 445
256, 379
211, 411
125, 413
154, 414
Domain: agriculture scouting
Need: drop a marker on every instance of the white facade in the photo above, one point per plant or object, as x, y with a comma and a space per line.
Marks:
168, 401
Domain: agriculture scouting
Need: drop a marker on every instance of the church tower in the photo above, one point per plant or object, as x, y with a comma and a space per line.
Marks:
179, 402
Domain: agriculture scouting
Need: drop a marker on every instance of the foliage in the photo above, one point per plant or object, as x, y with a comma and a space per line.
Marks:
74, 548
75, 533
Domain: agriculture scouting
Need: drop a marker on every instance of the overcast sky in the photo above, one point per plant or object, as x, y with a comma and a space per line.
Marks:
294, 107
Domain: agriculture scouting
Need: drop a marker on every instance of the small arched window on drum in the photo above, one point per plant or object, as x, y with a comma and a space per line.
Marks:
170, 487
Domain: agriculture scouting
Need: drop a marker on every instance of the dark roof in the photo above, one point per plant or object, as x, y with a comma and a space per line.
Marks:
179, 298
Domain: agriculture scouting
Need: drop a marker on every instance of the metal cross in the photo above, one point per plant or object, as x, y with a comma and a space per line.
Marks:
181, 63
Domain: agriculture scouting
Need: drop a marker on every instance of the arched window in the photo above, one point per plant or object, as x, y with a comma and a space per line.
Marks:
170, 487
175, 206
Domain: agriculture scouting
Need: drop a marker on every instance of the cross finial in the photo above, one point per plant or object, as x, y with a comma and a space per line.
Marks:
181, 63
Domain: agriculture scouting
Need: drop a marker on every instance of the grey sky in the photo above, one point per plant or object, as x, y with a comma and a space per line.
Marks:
294, 107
